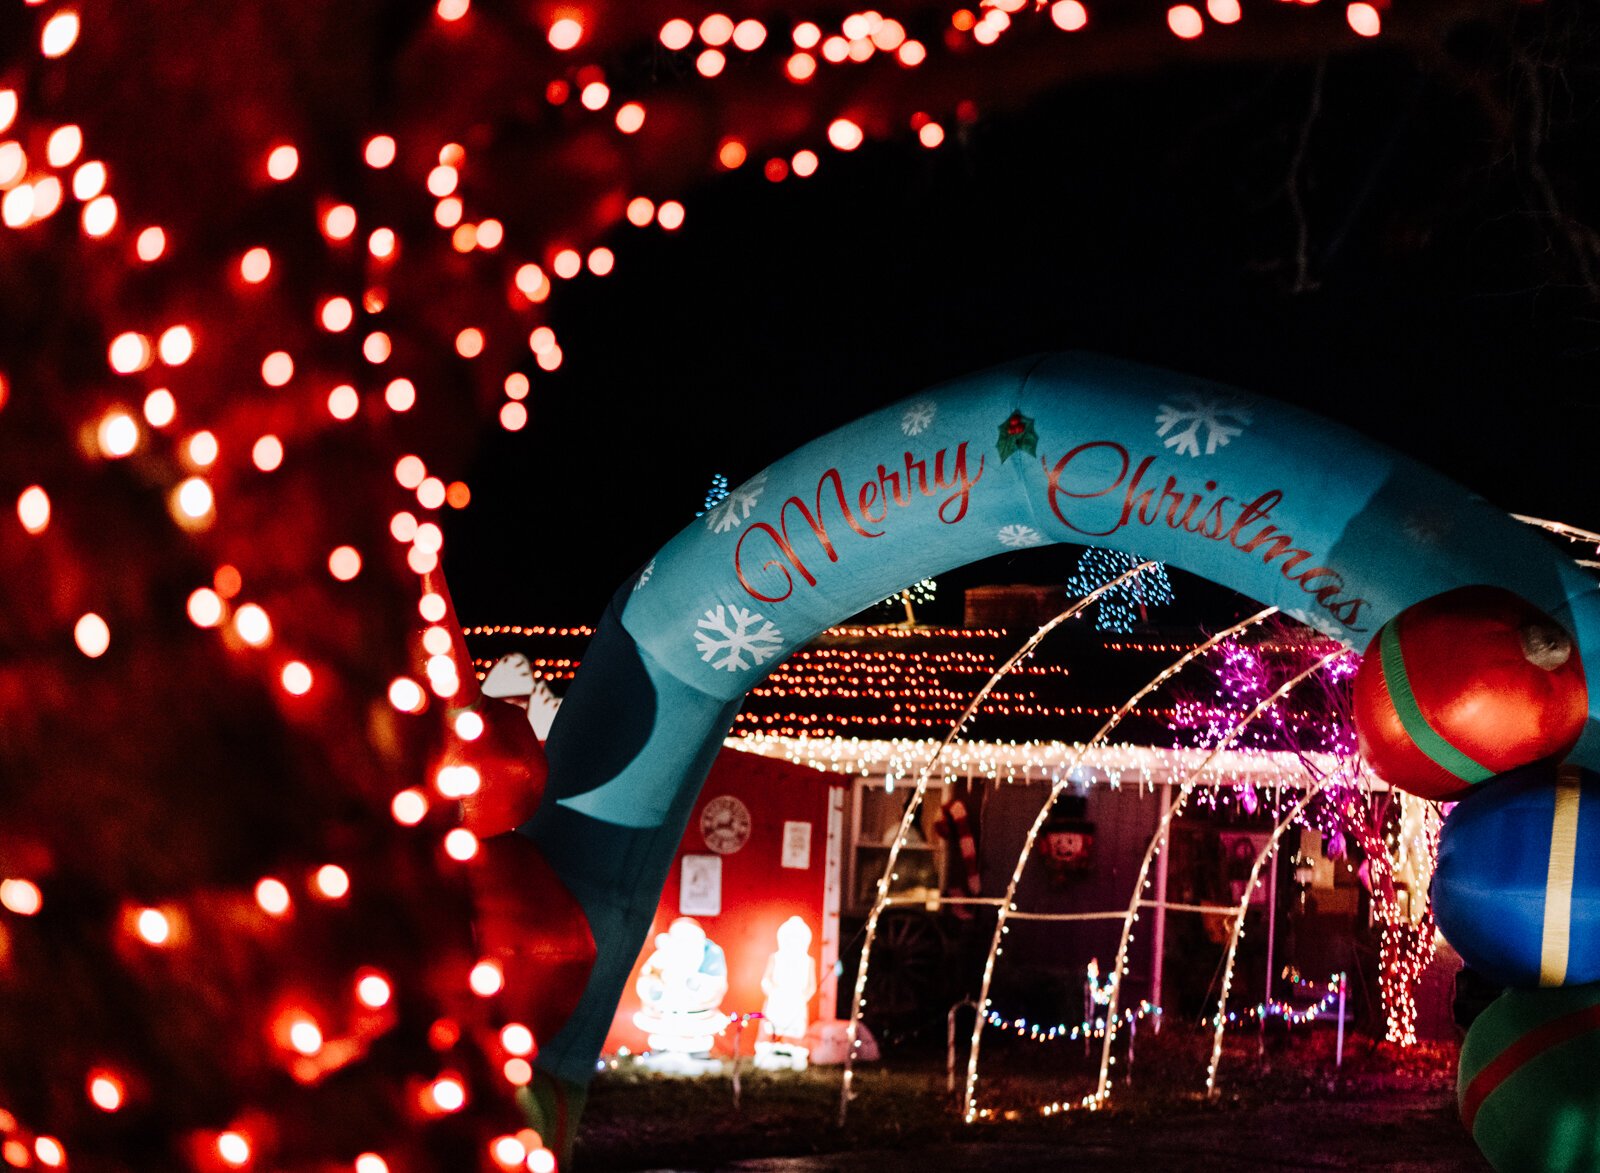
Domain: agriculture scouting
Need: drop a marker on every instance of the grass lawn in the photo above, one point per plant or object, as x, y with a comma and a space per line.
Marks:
1386, 1108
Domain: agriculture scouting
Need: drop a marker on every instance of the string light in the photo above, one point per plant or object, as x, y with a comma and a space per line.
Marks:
1118, 608
373, 990
1089, 1028
516, 1039
1007, 904
446, 1094
1289, 1015
153, 926
234, 1149
273, 897
21, 897
1221, 1018
151, 244
106, 1090
253, 625
858, 1001
33, 509
331, 882
409, 807
160, 408
59, 34
486, 979
92, 635
1158, 842
296, 678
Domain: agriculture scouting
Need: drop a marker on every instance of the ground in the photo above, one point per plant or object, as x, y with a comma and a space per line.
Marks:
1384, 1109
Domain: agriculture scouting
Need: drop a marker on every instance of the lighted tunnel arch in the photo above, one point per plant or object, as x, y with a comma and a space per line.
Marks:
1272, 501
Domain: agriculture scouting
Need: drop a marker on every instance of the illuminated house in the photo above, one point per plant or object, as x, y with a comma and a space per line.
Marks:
829, 747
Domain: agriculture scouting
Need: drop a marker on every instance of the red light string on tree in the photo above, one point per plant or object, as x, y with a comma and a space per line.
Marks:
285, 380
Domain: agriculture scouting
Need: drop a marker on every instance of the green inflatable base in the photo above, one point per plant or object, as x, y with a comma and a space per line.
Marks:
552, 1106
1529, 1081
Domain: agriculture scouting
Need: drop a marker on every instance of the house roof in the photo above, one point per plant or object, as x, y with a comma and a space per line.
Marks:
879, 699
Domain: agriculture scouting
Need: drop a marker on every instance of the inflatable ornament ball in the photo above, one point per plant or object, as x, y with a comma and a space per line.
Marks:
1516, 889
1526, 1085
1464, 686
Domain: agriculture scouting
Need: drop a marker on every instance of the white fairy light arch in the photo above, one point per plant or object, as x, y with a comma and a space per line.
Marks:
1006, 906
1158, 843
883, 900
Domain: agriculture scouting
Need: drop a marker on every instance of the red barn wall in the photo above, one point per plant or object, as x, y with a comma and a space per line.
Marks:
758, 893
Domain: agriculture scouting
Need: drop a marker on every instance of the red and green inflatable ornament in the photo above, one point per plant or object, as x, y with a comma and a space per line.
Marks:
1526, 1086
1464, 686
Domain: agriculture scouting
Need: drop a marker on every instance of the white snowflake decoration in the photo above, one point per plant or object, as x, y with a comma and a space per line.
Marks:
918, 417
728, 513
1211, 414
731, 632
1019, 537
644, 575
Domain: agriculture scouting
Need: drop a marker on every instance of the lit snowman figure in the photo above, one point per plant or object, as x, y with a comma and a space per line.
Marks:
790, 982
682, 986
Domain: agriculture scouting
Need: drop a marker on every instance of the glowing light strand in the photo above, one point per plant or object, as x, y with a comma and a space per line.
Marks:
1090, 1028
1158, 842
1118, 608
1220, 1020
858, 1000
1008, 907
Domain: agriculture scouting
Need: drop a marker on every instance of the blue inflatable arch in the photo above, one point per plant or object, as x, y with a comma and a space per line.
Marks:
1269, 500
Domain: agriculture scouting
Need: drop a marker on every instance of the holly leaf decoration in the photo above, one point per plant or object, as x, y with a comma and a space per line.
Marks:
1017, 435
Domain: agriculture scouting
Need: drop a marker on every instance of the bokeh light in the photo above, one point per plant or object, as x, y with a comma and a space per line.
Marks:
1363, 19
409, 807
344, 563
296, 677
205, 607
59, 34
373, 990
331, 882
380, 151
33, 509
282, 162
92, 635
272, 895
565, 34
160, 408
21, 897
1185, 21
252, 625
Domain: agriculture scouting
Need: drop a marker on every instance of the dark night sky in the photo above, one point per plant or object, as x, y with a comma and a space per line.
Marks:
1147, 217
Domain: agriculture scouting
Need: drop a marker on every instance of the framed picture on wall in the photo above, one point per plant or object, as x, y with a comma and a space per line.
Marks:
700, 886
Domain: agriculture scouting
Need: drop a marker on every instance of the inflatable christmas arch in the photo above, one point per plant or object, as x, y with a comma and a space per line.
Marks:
1269, 500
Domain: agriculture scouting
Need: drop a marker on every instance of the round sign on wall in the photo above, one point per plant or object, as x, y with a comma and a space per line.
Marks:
725, 824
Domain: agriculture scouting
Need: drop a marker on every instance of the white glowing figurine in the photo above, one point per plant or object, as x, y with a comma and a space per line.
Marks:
790, 982
681, 986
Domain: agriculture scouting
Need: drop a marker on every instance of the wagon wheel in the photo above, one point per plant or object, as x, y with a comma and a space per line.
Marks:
908, 966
